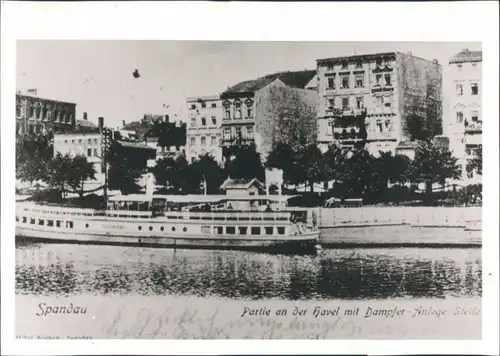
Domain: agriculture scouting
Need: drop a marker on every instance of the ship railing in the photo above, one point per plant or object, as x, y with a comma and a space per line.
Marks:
229, 216
127, 214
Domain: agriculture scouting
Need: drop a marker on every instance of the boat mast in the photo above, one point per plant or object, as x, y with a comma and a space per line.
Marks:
105, 145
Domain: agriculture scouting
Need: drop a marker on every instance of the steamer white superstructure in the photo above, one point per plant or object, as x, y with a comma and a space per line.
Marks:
218, 221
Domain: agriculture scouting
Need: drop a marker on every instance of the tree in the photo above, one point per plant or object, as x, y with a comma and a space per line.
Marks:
431, 165
246, 164
334, 159
283, 157
356, 173
80, 171
33, 154
59, 172
476, 163
208, 171
312, 161
124, 169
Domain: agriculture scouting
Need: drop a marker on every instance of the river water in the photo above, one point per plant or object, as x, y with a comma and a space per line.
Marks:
346, 274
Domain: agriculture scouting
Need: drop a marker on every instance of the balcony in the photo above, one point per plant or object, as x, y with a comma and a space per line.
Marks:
473, 127
237, 141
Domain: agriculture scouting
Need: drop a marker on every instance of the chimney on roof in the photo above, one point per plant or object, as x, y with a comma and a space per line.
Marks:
465, 50
100, 121
123, 123
85, 116
167, 118
435, 61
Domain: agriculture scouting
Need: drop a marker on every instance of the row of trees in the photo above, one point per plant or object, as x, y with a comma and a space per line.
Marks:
354, 173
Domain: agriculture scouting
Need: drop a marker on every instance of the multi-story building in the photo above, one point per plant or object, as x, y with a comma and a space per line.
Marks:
266, 110
203, 133
39, 115
85, 143
376, 101
464, 124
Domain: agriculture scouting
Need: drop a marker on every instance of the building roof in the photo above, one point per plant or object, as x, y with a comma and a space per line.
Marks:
240, 183
202, 98
297, 79
467, 56
85, 123
407, 145
135, 145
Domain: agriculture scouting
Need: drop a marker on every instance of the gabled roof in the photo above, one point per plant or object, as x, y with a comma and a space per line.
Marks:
467, 56
297, 79
240, 183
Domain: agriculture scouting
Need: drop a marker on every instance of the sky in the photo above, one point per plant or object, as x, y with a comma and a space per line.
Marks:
98, 75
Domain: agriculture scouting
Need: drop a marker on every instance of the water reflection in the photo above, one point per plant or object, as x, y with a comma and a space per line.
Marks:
51, 269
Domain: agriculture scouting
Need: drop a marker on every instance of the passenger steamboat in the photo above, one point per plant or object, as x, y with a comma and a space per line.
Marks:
255, 222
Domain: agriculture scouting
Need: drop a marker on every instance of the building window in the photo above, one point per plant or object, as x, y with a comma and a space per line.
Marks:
255, 230
331, 103
213, 140
359, 64
214, 120
460, 117
345, 82
329, 66
227, 132
459, 67
359, 102
250, 132
238, 133
214, 105
360, 81
331, 83
475, 116
89, 152
460, 89
474, 66
344, 65
193, 141
203, 105
227, 113
378, 78
203, 140
249, 111
470, 174
387, 79
474, 89
96, 141
378, 61
345, 103
203, 121
237, 111
193, 106
79, 140
193, 121
95, 152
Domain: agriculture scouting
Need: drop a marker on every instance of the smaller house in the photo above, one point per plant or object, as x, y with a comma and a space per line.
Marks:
242, 186
407, 148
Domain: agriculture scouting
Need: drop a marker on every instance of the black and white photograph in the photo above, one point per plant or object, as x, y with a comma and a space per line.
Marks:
175, 189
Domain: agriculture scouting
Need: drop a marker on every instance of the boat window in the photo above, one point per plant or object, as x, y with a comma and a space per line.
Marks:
41, 222
184, 229
218, 230
32, 221
242, 230
86, 225
205, 229
255, 230
140, 228
281, 230
162, 228
17, 218
173, 228
150, 228
69, 224
58, 223
230, 230
50, 222
25, 219
269, 230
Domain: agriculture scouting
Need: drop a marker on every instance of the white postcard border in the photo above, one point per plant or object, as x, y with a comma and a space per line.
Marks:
455, 21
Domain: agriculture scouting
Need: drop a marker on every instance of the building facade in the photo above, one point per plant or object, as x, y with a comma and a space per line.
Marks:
376, 101
203, 132
464, 121
36, 115
86, 144
268, 110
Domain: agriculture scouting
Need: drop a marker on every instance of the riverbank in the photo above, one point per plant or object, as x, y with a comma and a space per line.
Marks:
399, 236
